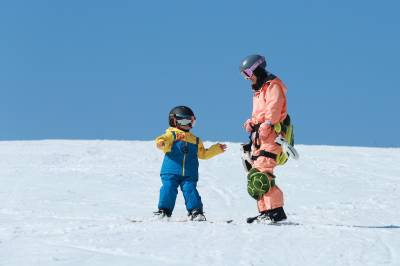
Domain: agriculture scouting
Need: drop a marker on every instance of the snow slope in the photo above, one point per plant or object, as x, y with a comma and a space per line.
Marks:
69, 202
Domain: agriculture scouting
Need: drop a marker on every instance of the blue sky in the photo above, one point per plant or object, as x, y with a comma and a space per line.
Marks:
113, 69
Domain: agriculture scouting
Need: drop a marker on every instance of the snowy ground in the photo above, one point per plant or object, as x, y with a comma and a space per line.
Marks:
68, 203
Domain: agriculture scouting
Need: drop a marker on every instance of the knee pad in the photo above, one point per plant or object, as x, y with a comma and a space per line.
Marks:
259, 183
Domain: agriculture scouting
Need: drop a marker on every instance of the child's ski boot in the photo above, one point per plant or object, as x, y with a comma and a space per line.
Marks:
162, 214
197, 215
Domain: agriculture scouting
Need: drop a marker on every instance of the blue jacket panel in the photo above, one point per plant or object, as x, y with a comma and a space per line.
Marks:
182, 159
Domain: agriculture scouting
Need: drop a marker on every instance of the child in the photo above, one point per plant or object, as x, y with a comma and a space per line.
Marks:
180, 166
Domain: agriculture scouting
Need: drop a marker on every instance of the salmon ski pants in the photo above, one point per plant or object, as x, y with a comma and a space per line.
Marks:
274, 197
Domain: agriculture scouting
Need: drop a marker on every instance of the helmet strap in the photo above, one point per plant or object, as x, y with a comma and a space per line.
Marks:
186, 130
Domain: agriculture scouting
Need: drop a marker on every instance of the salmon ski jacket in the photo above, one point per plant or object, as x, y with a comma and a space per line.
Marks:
269, 105
182, 151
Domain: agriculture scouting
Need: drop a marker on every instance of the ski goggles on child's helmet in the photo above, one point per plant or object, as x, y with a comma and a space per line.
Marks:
185, 120
248, 72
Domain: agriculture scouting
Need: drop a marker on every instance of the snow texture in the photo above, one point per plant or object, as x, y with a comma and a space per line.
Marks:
70, 202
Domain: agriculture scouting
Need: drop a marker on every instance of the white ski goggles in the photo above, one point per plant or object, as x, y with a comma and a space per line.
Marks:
185, 120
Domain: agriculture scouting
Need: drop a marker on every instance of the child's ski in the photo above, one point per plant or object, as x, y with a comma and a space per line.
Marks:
178, 221
286, 147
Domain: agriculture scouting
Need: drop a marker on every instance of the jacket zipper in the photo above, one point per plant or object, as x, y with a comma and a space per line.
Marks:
185, 151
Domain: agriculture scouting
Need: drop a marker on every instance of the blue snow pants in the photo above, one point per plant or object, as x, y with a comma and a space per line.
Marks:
169, 191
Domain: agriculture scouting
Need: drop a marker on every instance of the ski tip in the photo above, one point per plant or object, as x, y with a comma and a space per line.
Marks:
251, 219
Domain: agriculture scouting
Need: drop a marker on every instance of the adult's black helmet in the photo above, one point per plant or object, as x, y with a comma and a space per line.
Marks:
181, 113
251, 62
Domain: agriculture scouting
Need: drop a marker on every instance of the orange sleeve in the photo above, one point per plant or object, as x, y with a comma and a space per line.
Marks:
274, 99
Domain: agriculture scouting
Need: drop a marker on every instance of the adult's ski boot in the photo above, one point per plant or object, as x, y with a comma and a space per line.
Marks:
277, 215
270, 216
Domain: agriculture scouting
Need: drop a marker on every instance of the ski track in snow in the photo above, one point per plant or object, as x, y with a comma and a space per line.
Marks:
69, 203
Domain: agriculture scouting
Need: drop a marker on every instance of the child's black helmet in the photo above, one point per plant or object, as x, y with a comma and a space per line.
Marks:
180, 113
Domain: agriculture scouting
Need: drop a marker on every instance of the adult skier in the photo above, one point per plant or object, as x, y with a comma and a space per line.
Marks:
268, 115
